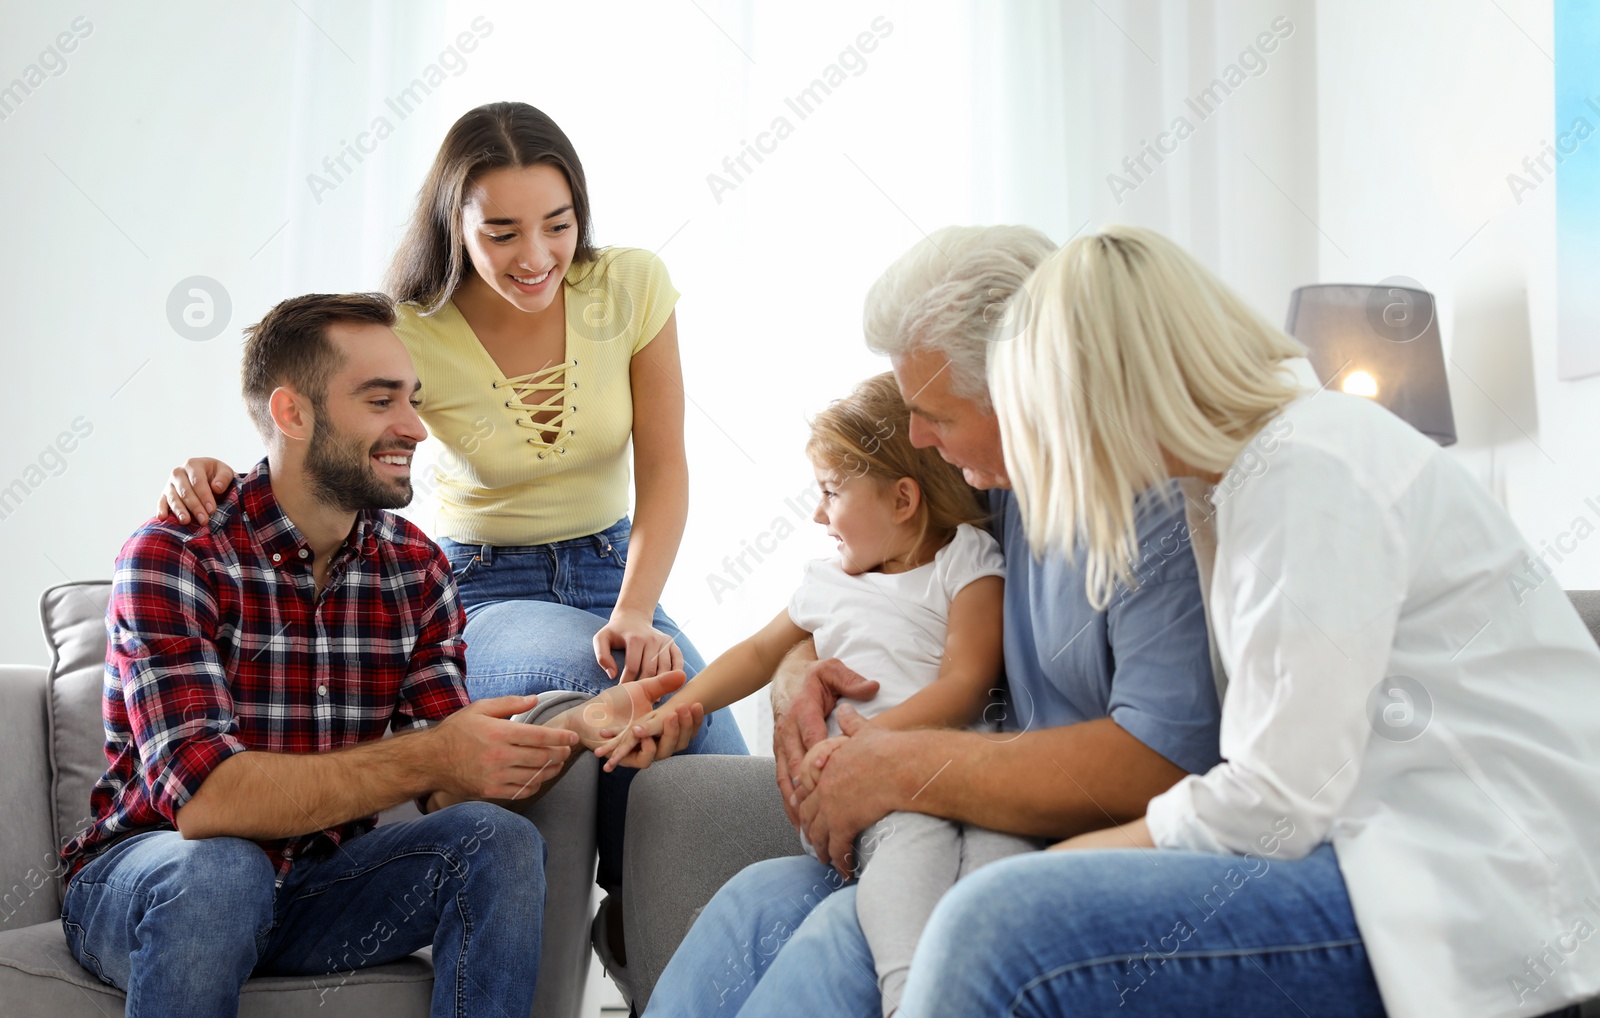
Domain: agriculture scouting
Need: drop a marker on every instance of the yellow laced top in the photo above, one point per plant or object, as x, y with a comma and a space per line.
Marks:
539, 457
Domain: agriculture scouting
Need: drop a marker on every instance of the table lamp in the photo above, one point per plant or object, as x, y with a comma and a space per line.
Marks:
1378, 341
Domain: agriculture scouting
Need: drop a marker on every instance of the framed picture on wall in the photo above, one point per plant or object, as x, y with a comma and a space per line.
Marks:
1575, 155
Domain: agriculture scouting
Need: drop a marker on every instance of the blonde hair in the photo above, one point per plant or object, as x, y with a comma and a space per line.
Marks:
950, 293
868, 434
1133, 349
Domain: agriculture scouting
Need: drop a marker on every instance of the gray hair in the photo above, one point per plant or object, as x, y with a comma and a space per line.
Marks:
951, 294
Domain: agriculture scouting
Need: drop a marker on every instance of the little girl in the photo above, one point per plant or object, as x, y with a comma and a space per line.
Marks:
913, 600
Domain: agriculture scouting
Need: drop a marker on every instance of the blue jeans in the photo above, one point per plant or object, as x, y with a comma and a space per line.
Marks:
532, 614
179, 925
1042, 934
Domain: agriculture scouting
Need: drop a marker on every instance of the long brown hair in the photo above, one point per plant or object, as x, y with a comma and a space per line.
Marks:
868, 434
432, 257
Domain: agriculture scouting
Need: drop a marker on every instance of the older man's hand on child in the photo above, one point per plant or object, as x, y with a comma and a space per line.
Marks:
803, 695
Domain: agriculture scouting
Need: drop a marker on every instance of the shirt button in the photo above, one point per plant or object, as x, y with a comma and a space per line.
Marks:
322, 690
276, 557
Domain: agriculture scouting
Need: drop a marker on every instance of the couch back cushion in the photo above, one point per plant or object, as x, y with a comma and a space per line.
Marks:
74, 617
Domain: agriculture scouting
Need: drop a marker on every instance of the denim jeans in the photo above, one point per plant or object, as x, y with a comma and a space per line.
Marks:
532, 614
179, 925
1042, 934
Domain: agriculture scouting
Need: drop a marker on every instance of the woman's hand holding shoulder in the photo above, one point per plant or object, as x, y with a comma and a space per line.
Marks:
192, 491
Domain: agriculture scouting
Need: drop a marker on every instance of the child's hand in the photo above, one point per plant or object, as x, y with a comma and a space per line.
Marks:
816, 759
613, 709
659, 733
626, 740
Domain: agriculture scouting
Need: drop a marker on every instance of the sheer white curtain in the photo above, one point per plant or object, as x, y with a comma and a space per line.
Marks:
1197, 119
368, 106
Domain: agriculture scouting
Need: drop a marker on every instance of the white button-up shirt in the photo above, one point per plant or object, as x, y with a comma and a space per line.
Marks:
1408, 682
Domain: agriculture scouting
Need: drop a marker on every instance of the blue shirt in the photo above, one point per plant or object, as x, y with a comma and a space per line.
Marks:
1144, 662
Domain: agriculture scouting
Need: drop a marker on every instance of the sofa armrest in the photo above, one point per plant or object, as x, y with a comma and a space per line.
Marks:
693, 822
565, 817
30, 869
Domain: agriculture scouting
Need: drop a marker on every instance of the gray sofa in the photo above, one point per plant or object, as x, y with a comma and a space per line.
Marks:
51, 754
721, 812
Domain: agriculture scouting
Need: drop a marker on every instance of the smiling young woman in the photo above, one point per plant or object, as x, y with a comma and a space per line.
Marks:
540, 357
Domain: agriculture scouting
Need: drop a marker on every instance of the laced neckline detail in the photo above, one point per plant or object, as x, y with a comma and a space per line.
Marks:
541, 392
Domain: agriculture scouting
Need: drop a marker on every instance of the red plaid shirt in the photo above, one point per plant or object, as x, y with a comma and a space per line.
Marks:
219, 644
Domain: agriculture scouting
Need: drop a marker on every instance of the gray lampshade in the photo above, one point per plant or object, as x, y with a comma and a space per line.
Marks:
1380, 341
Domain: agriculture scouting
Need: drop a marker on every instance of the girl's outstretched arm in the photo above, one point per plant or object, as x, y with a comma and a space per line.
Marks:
746, 667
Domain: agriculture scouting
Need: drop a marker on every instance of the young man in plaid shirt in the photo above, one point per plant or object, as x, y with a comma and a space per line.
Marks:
253, 665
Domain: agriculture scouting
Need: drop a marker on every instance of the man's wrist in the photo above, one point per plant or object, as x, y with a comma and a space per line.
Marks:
915, 760
419, 763
781, 694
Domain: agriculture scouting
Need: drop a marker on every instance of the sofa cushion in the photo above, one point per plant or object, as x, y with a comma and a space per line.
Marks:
39, 978
74, 617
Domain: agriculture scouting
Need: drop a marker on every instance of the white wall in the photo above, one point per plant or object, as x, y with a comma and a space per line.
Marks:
1421, 118
156, 155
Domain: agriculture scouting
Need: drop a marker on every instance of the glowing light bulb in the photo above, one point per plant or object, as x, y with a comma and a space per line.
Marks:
1360, 383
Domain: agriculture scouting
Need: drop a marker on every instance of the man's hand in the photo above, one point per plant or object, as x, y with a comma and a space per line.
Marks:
800, 721
860, 785
481, 755
616, 710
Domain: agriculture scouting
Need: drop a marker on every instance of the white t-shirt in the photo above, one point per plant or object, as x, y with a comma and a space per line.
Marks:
891, 627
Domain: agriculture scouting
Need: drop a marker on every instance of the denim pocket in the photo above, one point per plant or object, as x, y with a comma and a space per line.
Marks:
464, 571
464, 561
617, 553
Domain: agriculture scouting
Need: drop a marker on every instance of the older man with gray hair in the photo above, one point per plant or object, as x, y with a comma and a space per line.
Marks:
1106, 709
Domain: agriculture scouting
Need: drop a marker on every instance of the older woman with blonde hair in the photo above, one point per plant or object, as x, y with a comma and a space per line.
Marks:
1402, 819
